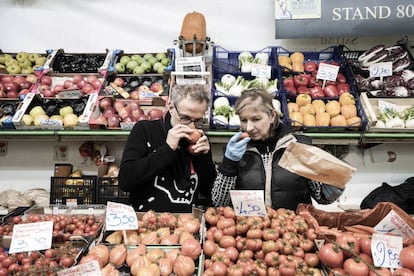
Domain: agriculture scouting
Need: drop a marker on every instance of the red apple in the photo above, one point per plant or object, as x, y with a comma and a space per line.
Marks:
68, 84
96, 84
58, 88
19, 79
77, 78
156, 87
25, 84
46, 80
11, 86
134, 95
91, 78
155, 113
87, 89
12, 94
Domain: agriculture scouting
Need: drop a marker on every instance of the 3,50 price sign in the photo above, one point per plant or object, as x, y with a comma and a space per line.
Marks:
120, 217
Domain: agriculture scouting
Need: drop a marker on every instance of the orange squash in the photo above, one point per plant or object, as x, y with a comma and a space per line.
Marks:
194, 27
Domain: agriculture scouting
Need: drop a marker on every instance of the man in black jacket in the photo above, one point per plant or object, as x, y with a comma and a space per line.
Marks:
157, 169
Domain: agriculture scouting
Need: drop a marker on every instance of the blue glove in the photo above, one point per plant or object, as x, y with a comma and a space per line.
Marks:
236, 148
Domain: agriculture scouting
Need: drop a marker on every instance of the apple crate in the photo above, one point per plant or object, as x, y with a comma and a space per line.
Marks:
80, 63
300, 126
28, 62
78, 190
34, 105
108, 190
17, 86
143, 63
228, 61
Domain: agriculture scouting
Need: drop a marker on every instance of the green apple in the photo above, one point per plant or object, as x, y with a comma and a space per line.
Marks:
148, 56
65, 111
27, 70
20, 56
131, 65
146, 66
14, 69
27, 120
125, 59
156, 66
139, 70
7, 57
40, 61
25, 63
160, 56
33, 56
11, 61
36, 110
152, 61
137, 58
165, 61
161, 69
119, 67
2, 59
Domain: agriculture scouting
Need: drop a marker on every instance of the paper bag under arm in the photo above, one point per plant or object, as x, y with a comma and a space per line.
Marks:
316, 164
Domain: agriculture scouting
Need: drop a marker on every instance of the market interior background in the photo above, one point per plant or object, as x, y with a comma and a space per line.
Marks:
151, 26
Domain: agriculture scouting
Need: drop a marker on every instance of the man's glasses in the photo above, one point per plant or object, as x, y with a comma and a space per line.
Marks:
185, 120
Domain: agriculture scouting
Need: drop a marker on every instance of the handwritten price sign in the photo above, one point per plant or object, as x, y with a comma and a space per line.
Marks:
379, 70
261, 71
327, 71
120, 217
248, 202
394, 224
386, 250
86, 269
31, 236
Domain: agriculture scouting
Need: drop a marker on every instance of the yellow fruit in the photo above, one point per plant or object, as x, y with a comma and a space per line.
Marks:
333, 108
297, 57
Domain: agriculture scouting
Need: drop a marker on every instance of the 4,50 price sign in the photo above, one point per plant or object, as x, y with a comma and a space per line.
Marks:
120, 217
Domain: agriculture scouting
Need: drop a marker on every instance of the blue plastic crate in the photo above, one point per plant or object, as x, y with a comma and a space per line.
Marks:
228, 61
360, 112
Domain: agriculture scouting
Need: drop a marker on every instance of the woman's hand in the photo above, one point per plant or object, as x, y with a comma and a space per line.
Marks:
236, 147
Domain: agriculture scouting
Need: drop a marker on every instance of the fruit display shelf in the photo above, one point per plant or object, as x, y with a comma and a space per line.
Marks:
22, 62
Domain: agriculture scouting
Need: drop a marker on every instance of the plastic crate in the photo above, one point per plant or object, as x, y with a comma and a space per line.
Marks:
107, 189
67, 189
360, 112
228, 61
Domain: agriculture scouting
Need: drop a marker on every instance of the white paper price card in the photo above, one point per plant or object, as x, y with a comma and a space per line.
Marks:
379, 70
394, 224
248, 202
120, 217
87, 269
31, 236
386, 250
327, 71
261, 71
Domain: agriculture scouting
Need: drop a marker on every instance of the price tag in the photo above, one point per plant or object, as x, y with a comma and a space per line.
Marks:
87, 269
394, 224
379, 70
70, 94
120, 217
51, 124
31, 236
386, 250
261, 70
248, 202
327, 71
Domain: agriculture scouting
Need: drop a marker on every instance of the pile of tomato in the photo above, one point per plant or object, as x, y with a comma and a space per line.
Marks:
281, 243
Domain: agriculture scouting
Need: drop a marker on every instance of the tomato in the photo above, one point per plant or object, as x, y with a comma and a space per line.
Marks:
242, 227
260, 268
337, 272
331, 255
225, 222
219, 268
220, 256
246, 254
254, 233
306, 244
269, 246
407, 257
234, 270
287, 269
273, 271
254, 244
16, 219
66, 261
3, 271
311, 259
310, 234
209, 247
403, 272
211, 216
365, 245
348, 242
382, 271
356, 268
232, 253
270, 234
227, 241
228, 212
271, 258
231, 231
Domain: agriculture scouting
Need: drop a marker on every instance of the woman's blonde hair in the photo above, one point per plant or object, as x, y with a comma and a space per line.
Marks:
256, 99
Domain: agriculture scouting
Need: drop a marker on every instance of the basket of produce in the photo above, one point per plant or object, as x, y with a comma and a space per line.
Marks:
326, 115
81, 190
7, 110
389, 114
398, 82
143, 63
239, 61
17, 86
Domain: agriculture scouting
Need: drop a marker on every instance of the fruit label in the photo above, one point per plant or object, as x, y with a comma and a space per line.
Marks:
261, 70
386, 250
379, 70
327, 72
248, 202
31, 236
120, 217
87, 269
